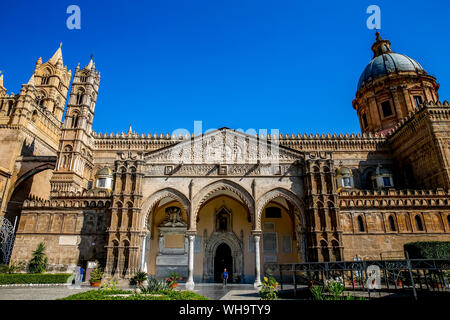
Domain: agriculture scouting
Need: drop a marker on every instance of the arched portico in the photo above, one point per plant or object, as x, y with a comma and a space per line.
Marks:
221, 187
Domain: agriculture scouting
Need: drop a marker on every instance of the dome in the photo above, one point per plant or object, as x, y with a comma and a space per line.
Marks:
105, 172
385, 61
343, 171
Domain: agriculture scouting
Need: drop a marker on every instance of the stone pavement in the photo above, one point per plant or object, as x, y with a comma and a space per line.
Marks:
210, 290
39, 293
216, 291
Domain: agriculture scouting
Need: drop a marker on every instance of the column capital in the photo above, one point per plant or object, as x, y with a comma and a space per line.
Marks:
256, 232
190, 233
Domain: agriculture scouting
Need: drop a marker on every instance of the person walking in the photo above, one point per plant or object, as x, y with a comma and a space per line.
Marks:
225, 277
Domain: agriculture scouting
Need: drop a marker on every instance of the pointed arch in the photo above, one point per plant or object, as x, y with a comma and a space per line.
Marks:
275, 193
208, 191
152, 200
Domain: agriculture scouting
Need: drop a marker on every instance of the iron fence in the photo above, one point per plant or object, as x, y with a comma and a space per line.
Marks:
399, 275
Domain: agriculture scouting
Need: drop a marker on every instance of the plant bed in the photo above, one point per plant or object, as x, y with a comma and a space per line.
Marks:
130, 295
34, 278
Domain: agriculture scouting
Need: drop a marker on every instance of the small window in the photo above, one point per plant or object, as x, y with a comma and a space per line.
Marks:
79, 98
101, 183
75, 120
364, 120
419, 224
392, 223
273, 212
387, 181
360, 224
347, 182
418, 100
45, 80
386, 107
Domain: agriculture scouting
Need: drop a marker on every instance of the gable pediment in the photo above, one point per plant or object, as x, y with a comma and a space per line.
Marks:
225, 146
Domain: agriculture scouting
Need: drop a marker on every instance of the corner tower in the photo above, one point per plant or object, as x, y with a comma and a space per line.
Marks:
391, 86
74, 166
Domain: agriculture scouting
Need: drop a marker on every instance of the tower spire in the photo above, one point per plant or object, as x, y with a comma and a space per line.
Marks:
57, 56
91, 63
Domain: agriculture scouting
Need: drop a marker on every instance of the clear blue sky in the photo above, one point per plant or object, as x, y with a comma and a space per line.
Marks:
287, 65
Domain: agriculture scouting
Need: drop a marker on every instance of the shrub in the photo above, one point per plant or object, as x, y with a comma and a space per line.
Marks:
110, 284
154, 286
96, 274
26, 278
336, 288
39, 262
13, 267
139, 278
317, 292
269, 289
428, 250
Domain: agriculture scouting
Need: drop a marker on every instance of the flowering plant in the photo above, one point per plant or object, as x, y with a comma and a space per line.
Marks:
173, 279
269, 289
109, 285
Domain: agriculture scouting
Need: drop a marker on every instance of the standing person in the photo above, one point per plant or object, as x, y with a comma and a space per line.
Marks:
225, 277
81, 274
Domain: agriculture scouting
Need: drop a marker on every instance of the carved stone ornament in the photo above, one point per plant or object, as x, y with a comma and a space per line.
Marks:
173, 218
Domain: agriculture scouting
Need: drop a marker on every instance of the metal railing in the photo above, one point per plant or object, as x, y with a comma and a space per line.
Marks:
404, 275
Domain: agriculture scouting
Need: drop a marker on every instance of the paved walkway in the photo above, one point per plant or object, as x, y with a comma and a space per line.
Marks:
210, 290
216, 291
39, 293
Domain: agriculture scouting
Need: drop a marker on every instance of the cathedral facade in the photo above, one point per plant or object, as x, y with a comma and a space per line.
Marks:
197, 204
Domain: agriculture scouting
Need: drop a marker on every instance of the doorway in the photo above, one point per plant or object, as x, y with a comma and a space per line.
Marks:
223, 259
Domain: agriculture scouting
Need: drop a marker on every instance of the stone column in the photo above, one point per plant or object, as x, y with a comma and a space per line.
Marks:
190, 282
257, 238
109, 260
143, 264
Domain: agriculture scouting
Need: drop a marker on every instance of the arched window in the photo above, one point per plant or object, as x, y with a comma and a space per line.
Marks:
75, 120
46, 77
318, 180
34, 116
360, 224
419, 224
392, 223
119, 215
324, 250
9, 108
336, 251
328, 180
116, 256
80, 95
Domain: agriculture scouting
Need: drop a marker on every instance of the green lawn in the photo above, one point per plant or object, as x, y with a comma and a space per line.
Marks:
112, 295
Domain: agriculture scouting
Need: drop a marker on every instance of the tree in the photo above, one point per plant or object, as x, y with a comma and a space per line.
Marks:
39, 262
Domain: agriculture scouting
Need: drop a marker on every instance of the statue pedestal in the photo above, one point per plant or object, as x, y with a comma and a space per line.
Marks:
173, 247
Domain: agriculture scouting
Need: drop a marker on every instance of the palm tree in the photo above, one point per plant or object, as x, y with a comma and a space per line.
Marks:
39, 262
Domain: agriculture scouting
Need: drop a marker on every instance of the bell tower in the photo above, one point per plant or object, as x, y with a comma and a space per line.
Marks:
74, 166
50, 82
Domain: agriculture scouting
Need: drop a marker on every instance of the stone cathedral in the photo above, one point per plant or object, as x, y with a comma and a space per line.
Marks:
196, 204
